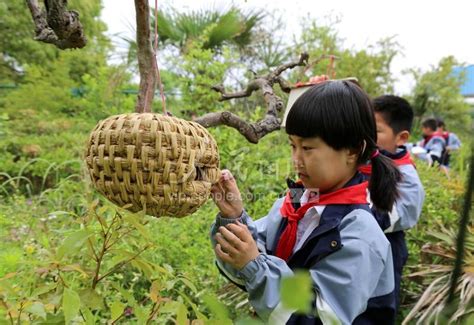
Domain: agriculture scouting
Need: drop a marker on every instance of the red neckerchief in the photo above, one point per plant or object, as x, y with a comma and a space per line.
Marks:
436, 134
356, 194
404, 160
445, 135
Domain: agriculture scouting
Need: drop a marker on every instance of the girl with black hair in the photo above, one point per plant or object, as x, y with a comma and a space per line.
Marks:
324, 224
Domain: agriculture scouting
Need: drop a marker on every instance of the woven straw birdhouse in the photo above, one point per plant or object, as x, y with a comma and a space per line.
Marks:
155, 163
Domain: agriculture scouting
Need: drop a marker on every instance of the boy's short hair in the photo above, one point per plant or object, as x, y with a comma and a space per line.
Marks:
396, 111
430, 123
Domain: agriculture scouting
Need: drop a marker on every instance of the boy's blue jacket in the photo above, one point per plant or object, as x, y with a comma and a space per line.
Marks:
407, 208
435, 147
347, 255
452, 144
405, 212
452, 141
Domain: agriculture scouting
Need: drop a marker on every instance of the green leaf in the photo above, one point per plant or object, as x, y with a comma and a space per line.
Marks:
91, 299
219, 322
43, 289
248, 321
297, 292
53, 319
182, 315
189, 284
73, 243
170, 307
37, 309
218, 310
143, 266
71, 304
441, 236
75, 267
141, 313
128, 295
54, 298
137, 225
106, 211
117, 309
121, 256
228, 26
190, 302
89, 316
170, 284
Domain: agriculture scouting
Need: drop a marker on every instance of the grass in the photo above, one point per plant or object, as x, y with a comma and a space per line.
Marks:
33, 227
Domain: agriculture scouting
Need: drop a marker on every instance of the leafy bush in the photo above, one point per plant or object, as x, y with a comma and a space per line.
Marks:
436, 271
441, 209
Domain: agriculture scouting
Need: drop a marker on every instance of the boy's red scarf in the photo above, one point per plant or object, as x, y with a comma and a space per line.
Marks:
444, 135
356, 194
405, 160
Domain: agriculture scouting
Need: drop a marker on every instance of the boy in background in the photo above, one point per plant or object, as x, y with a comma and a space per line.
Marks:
452, 144
394, 119
433, 143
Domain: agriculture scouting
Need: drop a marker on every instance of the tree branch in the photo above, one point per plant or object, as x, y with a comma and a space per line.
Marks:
284, 85
57, 25
146, 60
253, 85
7, 309
119, 265
303, 61
315, 62
253, 132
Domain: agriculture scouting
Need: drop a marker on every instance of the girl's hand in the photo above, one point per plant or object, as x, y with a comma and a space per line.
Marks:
226, 196
235, 245
318, 79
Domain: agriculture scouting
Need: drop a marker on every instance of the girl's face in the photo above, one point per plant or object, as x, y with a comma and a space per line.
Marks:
319, 166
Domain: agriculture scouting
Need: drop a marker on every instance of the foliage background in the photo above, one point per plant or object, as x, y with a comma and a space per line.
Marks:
51, 221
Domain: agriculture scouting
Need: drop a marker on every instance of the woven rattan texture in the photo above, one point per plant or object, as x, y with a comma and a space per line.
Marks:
152, 162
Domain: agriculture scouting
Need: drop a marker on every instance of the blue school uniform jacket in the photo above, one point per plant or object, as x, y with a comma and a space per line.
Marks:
453, 142
347, 255
407, 209
434, 147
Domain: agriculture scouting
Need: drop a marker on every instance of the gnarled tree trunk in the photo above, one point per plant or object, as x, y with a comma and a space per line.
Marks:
56, 25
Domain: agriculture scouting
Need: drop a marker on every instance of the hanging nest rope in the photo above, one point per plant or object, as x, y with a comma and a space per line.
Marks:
160, 164
150, 162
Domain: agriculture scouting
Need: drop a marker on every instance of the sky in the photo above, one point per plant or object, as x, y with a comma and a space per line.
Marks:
426, 30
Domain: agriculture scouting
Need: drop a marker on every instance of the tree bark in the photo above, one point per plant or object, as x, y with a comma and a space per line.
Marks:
253, 132
57, 25
146, 60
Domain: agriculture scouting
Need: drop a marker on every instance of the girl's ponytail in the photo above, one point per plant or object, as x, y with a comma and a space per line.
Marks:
383, 182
